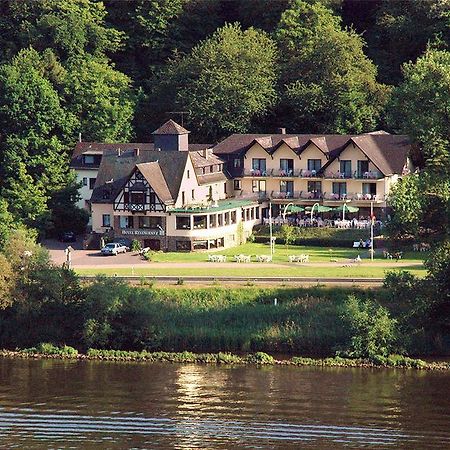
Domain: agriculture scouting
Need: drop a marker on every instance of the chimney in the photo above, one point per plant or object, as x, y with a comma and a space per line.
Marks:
281, 130
119, 152
205, 153
79, 137
136, 152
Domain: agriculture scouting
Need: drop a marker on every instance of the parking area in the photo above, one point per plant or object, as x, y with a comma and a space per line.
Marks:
90, 258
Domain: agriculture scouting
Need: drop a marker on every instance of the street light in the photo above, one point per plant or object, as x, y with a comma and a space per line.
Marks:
285, 210
312, 210
372, 220
270, 229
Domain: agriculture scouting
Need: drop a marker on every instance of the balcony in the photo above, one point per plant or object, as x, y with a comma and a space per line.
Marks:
360, 197
281, 195
370, 175
257, 196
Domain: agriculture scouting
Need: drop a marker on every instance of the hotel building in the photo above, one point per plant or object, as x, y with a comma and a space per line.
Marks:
172, 195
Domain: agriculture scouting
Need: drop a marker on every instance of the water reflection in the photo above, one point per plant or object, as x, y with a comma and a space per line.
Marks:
93, 404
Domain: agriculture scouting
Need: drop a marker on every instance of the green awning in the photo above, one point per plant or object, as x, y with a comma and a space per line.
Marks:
320, 208
294, 209
348, 208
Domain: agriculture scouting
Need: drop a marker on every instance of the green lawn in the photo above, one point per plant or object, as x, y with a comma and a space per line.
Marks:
316, 254
258, 270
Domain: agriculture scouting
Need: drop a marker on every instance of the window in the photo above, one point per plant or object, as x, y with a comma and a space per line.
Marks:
106, 220
227, 219
257, 213
89, 159
200, 245
210, 195
286, 166
363, 167
237, 185
126, 221
213, 221
346, 168
233, 216
188, 174
211, 169
85, 181
369, 188
183, 198
92, 183
340, 189
150, 222
137, 198
224, 188
220, 220
315, 187
183, 246
259, 165
199, 222
193, 194
183, 222
287, 186
259, 185
237, 163
314, 164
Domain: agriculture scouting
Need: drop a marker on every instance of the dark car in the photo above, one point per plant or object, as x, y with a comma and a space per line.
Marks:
68, 236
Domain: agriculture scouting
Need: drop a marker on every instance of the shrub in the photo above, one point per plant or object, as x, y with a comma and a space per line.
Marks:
372, 330
46, 348
260, 358
136, 245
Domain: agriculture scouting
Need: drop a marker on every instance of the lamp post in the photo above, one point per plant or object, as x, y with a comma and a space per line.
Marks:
285, 210
270, 229
372, 219
312, 209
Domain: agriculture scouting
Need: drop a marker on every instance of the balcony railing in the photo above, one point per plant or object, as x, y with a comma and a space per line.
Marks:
370, 175
260, 196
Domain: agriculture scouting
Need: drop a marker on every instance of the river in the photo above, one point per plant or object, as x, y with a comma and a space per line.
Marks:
94, 404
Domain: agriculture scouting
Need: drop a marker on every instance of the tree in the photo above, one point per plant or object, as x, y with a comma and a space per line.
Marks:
438, 266
65, 215
402, 31
69, 27
226, 82
101, 99
288, 234
328, 84
7, 283
7, 223
420, 107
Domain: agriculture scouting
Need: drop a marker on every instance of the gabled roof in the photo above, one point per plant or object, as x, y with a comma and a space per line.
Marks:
388, 152
115, 171
171, 127
153, 174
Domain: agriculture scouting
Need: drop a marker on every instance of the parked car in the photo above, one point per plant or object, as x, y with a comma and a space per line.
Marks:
124, 241
68, 236
113, 248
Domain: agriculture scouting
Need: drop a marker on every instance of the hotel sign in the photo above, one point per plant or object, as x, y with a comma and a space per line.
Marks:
143, 232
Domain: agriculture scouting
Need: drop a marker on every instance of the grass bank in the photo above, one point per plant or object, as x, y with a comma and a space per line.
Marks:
260, 270
259, 358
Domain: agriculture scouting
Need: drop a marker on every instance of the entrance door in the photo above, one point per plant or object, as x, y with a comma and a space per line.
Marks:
154, 244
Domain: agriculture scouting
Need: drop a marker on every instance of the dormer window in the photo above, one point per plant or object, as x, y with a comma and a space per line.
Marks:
88, 159
211, 169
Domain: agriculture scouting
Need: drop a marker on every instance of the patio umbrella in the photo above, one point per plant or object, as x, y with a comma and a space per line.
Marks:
348, 208
345, 207
319, 208
294, 209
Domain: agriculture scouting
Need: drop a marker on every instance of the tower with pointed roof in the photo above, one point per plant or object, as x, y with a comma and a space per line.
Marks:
171, 137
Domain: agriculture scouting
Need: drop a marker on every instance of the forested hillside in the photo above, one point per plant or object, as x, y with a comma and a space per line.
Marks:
115, 70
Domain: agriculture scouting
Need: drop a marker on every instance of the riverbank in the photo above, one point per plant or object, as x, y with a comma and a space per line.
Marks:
258, 358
